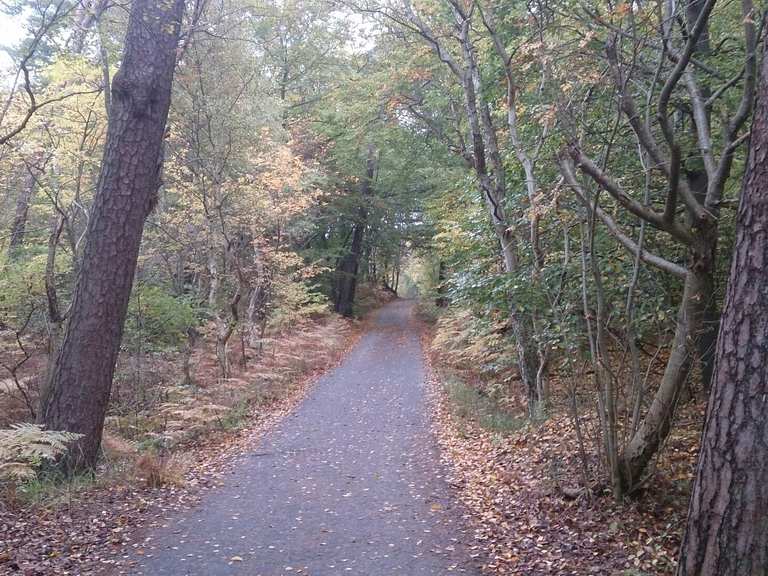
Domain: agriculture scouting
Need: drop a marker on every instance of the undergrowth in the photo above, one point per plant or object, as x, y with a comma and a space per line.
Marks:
154, 419
469, 403
52, 488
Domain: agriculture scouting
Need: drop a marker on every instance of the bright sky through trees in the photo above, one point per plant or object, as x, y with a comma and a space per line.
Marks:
11, 32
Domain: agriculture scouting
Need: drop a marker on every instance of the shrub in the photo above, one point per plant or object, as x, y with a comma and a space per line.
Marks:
22, 287
295, 301
156, 319
157, 471
470, 404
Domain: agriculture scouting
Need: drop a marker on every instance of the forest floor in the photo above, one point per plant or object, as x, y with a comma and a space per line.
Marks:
520, 482
165, 446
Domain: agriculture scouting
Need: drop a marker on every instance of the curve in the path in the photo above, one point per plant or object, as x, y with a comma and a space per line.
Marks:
350, 483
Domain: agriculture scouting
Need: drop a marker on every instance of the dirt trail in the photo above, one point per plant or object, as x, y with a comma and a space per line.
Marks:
350, 483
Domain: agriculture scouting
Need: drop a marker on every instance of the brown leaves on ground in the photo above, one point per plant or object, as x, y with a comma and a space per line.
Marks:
84, 527
82, 534
523, 492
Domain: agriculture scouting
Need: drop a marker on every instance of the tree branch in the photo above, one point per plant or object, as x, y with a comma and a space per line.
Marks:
567, 170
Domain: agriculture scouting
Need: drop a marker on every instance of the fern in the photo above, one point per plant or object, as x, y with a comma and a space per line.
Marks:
23, 447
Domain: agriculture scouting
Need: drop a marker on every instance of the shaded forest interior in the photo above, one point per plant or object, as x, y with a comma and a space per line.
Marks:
200, 200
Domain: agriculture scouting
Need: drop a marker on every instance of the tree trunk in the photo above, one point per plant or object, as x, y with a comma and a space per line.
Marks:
727, 532
212, 264
698, 181
346, 271
54, 316
441, 301
87, 15
258, 301
656, 425
78, 394
19, 224
494, 192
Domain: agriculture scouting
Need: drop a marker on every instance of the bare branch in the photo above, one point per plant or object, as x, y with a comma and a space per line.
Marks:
567, 170
683, 59
646, 213
732, 140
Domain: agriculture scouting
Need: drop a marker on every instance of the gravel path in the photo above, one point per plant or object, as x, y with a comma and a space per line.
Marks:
350, 483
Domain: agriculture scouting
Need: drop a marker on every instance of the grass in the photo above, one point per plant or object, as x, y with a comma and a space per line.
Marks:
237, 417
469, 403
53, 487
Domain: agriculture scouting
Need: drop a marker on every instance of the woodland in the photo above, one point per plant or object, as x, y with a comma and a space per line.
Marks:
201, 201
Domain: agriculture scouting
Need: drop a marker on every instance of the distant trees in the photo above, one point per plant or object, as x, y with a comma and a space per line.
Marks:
727, 534
19, 224
348, 266
476, 140
76, 397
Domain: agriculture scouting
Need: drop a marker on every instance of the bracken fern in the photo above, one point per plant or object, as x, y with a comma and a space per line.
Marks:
24, 446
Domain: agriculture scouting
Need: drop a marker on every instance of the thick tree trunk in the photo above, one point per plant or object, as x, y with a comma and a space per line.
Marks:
78, 394
727, 531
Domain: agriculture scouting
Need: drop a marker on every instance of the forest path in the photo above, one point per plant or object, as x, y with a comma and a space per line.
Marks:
349, 483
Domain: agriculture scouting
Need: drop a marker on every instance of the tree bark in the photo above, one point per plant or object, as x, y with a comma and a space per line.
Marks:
655, 427
727, 532
77, 396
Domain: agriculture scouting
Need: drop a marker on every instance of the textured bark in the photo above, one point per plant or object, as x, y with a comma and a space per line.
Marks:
727, 530
77, 396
